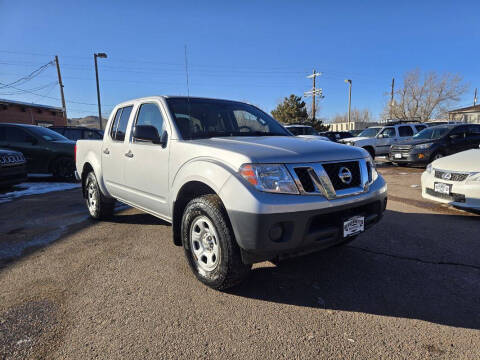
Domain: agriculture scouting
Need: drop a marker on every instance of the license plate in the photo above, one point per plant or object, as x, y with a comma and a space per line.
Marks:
354, 225
442, 188
398, 156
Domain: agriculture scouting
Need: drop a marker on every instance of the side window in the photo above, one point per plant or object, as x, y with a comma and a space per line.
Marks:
17, 135
461, 130
119, 126
388, 132
474, 130
149, 114
405, 131
420, 127
73, 134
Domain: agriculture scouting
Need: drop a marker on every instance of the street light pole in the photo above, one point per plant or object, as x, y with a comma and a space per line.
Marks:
349, 82
103, 56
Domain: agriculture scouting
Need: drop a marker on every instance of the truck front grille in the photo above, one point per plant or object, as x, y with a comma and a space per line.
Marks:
334, 169
332, 179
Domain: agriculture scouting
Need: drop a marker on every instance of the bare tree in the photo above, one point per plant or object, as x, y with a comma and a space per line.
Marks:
356, 115
425, 96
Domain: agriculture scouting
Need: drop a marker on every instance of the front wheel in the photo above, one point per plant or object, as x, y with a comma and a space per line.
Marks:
99, 207
436, 156
64, 168
210, 246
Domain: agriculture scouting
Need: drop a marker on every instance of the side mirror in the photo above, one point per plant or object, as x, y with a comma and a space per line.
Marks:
149, 133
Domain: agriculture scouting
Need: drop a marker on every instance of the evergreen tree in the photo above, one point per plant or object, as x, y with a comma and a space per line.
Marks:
291, 111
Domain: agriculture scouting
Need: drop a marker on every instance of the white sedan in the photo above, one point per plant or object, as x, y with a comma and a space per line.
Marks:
454, 180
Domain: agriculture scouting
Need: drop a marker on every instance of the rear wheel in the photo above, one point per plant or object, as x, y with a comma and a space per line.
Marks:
63, 168
371, 151
99, 207
210, 246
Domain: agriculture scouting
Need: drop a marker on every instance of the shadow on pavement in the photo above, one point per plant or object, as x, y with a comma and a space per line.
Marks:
384, 280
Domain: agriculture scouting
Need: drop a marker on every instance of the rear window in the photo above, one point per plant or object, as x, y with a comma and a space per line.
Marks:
120, 122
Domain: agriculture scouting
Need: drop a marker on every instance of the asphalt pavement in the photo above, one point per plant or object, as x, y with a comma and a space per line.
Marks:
76, 288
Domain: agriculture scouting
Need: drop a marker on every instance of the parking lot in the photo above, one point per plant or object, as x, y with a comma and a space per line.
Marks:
75, 288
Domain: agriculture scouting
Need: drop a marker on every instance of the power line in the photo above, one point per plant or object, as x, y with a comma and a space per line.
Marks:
28, 77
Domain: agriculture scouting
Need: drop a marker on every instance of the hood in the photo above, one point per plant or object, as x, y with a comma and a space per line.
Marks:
9, 152
354, 139
415, 141
275, 149
316, 137
467, 161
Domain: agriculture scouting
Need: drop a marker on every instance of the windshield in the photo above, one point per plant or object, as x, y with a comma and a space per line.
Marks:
47, 134
432, 133
206, 118
302, 130
370, 132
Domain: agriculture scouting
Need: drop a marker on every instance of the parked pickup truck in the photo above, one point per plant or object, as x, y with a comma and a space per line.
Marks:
235, 185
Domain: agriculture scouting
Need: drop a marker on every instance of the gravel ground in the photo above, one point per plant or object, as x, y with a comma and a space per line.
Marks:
409, 288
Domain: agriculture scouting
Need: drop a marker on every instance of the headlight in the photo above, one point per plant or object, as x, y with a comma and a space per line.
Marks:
474, 177
423, 146
429, 169
374, 169
273, 178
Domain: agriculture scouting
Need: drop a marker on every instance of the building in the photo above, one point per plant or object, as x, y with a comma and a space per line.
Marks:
28, 113
470, 114
353, 125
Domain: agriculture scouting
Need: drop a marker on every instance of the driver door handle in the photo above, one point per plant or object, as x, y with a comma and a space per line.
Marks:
129, 154
106, 151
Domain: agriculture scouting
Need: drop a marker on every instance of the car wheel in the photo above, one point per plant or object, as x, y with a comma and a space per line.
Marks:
371, 151
63, 169
436, 157
209, 243
99, 207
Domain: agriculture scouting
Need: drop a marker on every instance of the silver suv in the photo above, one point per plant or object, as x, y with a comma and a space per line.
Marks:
237, 187
387, 136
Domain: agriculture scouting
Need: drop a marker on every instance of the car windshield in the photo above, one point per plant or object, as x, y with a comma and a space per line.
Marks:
370, 132
432, 133
302, 130
206, 118
47, 134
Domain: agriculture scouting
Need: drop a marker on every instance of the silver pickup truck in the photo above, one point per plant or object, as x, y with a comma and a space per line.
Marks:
235, 185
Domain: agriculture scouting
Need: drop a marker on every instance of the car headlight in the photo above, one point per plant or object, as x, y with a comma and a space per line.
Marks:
474, 177
373, 169
429, 169
423, 146
273, 178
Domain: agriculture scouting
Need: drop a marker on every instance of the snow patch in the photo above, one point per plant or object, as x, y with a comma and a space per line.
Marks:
36, 188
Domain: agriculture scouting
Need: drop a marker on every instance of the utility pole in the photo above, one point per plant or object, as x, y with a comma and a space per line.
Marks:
95, 56
349, 82
314, 92
391, 97
475, 98
60, 83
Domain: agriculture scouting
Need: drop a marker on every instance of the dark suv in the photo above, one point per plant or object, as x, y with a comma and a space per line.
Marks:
435, 142
46, 151
78, 132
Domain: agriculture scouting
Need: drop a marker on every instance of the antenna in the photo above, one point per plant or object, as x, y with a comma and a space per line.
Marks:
188, 85
186, 71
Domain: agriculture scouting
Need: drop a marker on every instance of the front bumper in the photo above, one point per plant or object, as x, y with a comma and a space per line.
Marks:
311, 224
12, 175
462, 194
410, 157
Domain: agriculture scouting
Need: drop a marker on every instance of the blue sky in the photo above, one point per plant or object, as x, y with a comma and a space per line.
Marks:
258, 51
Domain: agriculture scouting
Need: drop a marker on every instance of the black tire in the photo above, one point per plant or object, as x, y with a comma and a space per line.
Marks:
436, 156
371, 151
99, 207
63, 168
229, 269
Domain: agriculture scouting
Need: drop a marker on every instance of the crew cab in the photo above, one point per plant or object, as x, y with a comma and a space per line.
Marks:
388, 135
237, 187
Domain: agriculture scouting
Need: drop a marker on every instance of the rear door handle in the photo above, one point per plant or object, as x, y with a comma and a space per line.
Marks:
129, 154
106, 151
